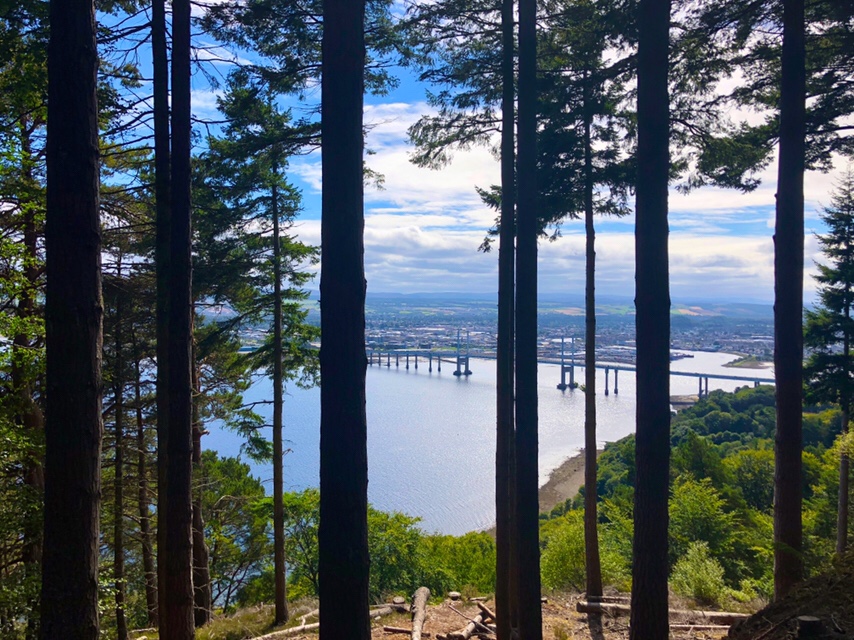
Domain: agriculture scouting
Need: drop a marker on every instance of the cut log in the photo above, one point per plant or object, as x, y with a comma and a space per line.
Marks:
711, 617
809, 627
454, 595
387, 609
469, 629
419, 610
610, 599
398, 600
287, 633
486, 611
389, 629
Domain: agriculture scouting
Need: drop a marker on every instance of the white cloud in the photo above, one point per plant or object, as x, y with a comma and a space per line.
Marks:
423, 229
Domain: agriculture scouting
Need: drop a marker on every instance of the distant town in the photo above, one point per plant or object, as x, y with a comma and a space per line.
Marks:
447, 322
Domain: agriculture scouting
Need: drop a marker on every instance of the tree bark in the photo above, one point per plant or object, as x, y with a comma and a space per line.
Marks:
143, 500
591, 532
162, 260
842, 506
343, 561
203, 605
73, 327
419, 610
788, 305
118, 482
652, 304
281, 595
527, 511
175, 509
505, 588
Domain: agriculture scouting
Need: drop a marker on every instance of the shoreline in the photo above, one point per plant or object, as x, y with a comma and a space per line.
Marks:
564, 482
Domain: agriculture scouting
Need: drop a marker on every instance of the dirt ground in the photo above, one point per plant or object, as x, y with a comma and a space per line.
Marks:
560, 622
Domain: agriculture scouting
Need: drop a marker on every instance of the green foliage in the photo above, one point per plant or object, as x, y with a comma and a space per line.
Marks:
562, 563
699, 576
237, 526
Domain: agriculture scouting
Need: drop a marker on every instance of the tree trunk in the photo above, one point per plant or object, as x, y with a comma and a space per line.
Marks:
143, 501
788, 305
73, 328
30, 416
591, 533
343, 561
842, 507
175, 509
118, 482
652, 305
162, 260
505, 590
845, 403
203, 605
527, 511
281, 595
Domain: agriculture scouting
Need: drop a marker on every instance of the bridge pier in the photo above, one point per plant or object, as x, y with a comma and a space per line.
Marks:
755, 384
396, 359
707, 386
416, 361
607, 369
388, 360
700, 390
439, 364
430, 363
616, 388
462, 366
407, 362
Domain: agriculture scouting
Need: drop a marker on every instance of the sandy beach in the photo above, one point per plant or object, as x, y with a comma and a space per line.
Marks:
564, 482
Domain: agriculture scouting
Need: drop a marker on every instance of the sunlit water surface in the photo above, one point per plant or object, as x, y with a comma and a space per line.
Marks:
431, 436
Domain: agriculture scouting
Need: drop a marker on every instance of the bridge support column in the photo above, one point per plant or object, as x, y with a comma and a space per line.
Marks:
407, 361
396, 359
755, 383
430, 363
607, 369
467, 371
371, 358
562, 385
416, 361
616, 387
700, 390
707, 386
388, 360
439, 364
572, 376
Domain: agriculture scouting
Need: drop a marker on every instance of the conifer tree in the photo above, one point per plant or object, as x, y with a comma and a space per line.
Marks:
829, 329
73, 317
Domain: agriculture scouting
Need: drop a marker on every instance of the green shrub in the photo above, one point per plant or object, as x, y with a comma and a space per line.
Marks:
562, 564
699, 576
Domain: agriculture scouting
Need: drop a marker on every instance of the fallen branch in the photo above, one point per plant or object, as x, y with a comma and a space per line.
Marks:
287, 633
310, 614
714, 617
487, 612
419, 610
389, 629
700, 627
474, 623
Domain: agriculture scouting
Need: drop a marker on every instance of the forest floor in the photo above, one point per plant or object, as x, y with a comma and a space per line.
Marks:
560, 622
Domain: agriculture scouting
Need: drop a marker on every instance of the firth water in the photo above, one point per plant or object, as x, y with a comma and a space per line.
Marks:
431, 436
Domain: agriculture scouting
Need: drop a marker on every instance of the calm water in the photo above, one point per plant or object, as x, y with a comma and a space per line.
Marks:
431, 436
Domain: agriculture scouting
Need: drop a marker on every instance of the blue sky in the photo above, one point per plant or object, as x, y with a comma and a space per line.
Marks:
423, 229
